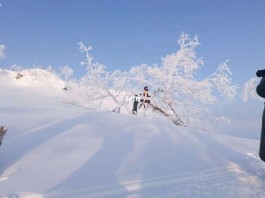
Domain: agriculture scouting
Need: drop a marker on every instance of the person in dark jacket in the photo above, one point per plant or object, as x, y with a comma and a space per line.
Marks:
135, 104
261, 92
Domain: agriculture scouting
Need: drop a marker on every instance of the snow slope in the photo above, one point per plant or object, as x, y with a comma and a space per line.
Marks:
54, 149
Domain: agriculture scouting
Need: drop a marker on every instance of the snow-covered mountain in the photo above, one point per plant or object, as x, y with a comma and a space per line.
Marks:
53, 149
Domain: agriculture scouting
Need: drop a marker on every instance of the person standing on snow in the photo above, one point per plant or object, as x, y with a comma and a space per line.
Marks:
146, 97
261, 92
135, 104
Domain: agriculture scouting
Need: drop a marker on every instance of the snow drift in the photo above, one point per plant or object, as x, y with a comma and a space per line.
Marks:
53, 149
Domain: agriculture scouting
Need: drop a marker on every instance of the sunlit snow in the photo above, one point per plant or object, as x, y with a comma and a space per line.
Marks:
54, 149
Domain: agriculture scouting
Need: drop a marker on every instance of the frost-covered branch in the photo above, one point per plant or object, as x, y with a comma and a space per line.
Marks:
97, 85
89, 58
249, 89
67, 72
223, 82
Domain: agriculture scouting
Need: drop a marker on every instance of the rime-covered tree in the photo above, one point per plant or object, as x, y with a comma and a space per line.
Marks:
177, 94
181, 97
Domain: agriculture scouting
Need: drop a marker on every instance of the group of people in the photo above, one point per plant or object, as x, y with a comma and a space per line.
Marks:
144, 100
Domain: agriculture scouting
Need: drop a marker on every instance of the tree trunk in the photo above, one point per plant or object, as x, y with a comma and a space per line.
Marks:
2, 133
176, 119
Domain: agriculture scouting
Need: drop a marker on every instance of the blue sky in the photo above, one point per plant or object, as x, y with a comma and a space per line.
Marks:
126, 33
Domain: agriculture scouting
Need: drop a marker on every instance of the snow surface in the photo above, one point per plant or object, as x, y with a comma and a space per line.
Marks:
53, 149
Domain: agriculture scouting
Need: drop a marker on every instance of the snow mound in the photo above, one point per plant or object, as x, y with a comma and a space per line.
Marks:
31, 78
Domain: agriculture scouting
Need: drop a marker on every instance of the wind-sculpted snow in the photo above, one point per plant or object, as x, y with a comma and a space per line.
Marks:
58, 150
